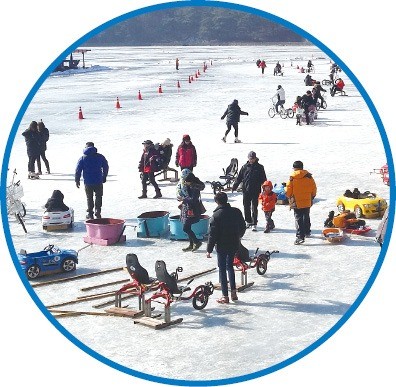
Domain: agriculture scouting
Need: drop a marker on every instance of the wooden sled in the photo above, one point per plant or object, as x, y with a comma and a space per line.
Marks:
333, 234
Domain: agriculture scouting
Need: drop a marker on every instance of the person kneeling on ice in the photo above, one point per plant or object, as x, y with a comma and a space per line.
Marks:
190, 208
226, 228
268, 200
233, 113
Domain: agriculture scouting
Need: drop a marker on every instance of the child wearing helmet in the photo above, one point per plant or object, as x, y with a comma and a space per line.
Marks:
268, 200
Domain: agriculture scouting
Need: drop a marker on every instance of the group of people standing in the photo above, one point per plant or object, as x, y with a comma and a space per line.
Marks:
227, 225
36, 137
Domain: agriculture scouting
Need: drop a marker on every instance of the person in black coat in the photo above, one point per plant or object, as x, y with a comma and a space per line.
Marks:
190, 209
233, 113
306, 101
252, 176
32, 141
43, 138
55, 202
226, 228
316, 93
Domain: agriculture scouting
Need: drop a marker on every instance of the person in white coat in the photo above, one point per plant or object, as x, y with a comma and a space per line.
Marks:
280, 95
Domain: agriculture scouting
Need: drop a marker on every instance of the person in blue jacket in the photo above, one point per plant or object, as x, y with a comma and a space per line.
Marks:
94, 168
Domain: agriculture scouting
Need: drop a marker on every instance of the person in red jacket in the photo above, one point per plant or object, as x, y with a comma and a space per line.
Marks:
268, 200
338, 86
186, 154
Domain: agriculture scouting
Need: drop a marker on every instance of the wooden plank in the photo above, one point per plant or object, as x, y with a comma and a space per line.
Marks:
54, 227
97, 306
156, 324
76, 277
104, 285
126, 312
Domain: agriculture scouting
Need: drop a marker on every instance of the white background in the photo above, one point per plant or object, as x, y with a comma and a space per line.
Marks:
34, 34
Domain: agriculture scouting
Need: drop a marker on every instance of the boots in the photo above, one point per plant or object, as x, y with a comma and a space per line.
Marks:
143, 196
33, 176
157, 194
234, 296
189, 247
196, 246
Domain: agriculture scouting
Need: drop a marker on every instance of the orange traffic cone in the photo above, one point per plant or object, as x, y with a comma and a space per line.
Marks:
80, 114
160, 89
139, 96
118, 106
178, 84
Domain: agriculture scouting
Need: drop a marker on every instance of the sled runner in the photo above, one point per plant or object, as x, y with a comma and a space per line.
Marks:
333, 234
168, 292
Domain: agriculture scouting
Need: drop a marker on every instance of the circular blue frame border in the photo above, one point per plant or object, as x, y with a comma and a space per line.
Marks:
182, 382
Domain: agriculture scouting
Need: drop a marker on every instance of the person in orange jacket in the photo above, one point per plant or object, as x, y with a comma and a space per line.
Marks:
301, 190
268, 200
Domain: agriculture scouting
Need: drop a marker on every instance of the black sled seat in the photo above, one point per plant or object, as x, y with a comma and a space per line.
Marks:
140, 283
170, 280
229, 176
137, 271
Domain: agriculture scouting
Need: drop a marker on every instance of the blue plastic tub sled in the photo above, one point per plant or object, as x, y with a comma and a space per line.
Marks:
176, 228
153, 224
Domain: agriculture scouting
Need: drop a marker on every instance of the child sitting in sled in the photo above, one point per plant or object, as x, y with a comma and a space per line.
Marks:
55, 202
345, 219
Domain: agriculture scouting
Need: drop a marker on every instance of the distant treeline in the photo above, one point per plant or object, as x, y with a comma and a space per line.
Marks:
195, 26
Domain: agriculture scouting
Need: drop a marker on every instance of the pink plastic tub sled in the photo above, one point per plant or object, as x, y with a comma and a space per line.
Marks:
105, 231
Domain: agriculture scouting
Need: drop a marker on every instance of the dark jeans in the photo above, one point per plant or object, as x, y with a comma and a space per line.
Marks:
42, 155
149, 176
31, 162
250, 204
279, 103
225, 261
268, 218
187, 229
229, 126
90, 190
321, 100
303, 222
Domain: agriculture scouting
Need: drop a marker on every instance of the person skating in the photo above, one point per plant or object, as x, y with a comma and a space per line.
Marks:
233, 114
147, 166
301, 190
252, 176
94, 168
226, 228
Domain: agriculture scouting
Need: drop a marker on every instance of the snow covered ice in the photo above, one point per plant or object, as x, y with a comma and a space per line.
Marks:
306, 290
